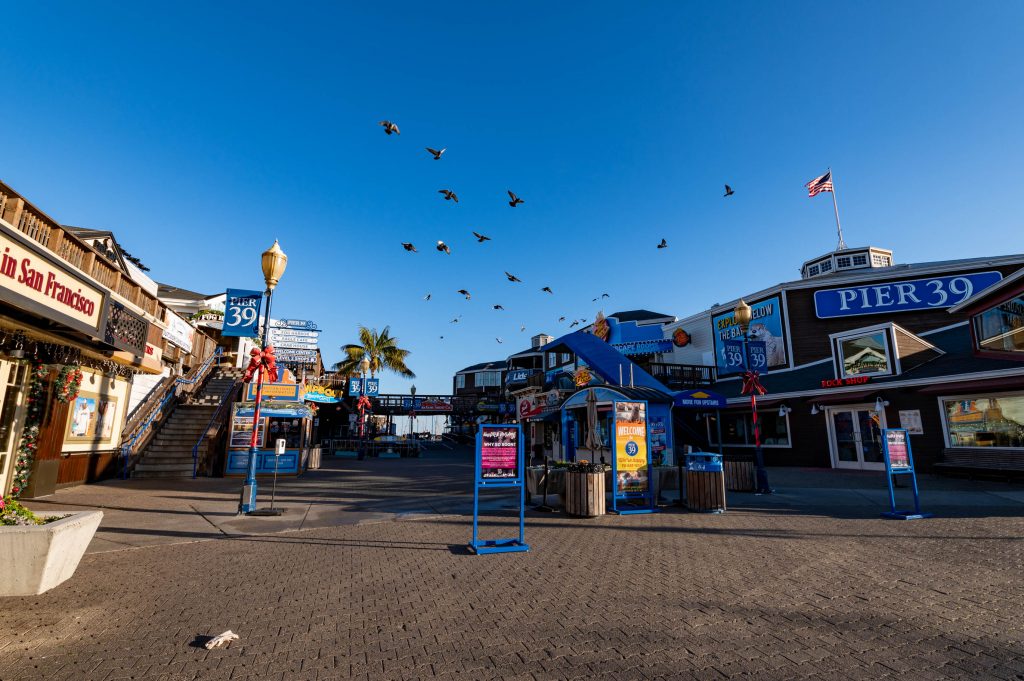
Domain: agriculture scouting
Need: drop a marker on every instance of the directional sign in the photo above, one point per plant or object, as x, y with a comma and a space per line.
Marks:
290, 343
289, 355
306, 324
294, 332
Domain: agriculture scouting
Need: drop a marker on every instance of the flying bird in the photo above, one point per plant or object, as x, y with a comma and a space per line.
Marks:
604, 295
663, 244
443, 247
522, 327
436, 153
728, 191
575, 322
499, 340
456, 320
583, 321
426, 297
409, 247
480, 237
515, 199
442, 337
464, 292
561, 319
449, 195
497, 307
513, 278
390, 127
593, 300
547, 289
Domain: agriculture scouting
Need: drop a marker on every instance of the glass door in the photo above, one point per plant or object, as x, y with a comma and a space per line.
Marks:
855, 436
12, 401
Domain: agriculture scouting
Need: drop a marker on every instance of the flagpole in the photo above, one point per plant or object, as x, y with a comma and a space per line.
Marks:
835, 204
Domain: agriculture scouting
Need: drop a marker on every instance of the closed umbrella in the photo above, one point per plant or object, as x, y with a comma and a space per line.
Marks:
593, 440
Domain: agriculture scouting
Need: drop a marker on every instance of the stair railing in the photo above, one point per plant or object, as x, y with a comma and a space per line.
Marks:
216, 423
159, 404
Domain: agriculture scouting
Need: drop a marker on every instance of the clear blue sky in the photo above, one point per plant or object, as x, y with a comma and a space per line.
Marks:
200, 132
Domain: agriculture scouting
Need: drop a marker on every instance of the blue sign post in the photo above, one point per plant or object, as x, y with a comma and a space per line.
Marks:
899, 460
499, 464
242, 313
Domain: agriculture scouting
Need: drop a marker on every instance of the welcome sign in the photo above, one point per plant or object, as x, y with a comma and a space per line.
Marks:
901, 296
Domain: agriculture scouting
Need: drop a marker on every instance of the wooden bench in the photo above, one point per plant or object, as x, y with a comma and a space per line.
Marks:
982, 459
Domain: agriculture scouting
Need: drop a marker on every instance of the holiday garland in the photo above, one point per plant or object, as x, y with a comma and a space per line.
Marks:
30, 434
68, 382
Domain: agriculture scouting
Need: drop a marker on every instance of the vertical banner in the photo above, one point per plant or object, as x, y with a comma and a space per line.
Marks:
899, 460
242, 313
766, 326
632, 458
499, 464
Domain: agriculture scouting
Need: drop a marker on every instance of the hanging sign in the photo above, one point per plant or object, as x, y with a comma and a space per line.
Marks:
356, 387
499, 463
899, 460
305, 324
178, 331
735, 358
901, 296
242, 313
699, 399
631, 462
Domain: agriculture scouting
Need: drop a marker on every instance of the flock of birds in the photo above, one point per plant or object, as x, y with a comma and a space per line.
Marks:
390, 128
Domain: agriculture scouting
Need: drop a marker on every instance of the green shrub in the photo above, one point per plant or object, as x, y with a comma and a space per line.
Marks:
13, 513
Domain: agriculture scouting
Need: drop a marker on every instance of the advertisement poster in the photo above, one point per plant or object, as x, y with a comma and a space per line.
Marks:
910, 420
897, 450
178, 331
91, 418
659, 441
499, 452
241, 431
631, 447
765, 327
242, 313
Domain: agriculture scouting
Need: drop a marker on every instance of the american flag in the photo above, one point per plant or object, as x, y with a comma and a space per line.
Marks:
820, 184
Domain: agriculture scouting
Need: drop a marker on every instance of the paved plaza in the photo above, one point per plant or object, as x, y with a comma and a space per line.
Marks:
377, 584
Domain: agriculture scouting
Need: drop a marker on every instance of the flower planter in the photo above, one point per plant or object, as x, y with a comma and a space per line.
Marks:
584, 494
39, 557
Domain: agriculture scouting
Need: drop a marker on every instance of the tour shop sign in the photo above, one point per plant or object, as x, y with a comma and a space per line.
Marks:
901, 296
35, 280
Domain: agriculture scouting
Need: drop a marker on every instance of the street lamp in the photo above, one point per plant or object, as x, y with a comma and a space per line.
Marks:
743, 315
273, 261
412, 412
364, 368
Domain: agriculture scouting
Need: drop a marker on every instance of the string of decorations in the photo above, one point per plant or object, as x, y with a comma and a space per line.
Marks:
16, 346
35, 405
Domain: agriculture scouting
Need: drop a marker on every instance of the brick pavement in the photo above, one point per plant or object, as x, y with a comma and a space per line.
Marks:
771, 592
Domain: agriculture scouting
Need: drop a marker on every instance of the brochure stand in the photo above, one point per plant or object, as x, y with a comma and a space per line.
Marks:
899, 460
499, 463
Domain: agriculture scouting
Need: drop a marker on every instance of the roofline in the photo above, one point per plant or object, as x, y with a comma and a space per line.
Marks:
994, 288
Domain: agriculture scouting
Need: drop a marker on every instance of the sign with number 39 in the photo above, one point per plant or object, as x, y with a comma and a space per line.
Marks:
242, 313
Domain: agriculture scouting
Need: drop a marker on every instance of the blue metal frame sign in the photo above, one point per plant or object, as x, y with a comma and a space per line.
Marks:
499, 463
629, 434
899, 460
242, 313
901, 296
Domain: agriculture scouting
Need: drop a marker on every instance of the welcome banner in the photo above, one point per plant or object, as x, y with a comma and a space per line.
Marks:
631, 448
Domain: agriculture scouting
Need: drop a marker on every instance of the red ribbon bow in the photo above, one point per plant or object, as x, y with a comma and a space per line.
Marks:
264, 359
752, 384
363, 403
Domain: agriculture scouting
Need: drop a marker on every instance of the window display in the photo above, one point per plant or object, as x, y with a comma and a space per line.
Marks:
1001, 328
738, 429
865, 355
996, 421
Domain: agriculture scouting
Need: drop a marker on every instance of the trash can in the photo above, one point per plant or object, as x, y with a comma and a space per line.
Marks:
314, 458
705, 482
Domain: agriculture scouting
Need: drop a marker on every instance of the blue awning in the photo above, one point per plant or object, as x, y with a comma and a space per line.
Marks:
606, 361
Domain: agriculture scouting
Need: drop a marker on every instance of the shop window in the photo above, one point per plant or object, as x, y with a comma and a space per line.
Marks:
488, 379
738, 429
1001, 328
826, 266
460, 381
986, 421
865, 355
843, 261
860, 259
880, 260
812, 271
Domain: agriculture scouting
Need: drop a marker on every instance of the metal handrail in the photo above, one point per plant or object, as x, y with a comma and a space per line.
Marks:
225, 399
172, 393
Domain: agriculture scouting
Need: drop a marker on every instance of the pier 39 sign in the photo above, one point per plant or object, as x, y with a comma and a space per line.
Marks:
901, 296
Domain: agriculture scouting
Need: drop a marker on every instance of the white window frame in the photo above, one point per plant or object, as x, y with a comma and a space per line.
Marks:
460, 381
971, 396
887, 331
863, 257
479, 378
760, 415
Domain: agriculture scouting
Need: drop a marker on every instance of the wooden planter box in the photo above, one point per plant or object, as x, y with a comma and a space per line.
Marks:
739, 476
584, 494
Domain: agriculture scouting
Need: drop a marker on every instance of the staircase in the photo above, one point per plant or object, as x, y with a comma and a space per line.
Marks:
169, 453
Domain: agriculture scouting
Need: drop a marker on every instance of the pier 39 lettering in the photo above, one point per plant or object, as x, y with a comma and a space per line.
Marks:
902, 296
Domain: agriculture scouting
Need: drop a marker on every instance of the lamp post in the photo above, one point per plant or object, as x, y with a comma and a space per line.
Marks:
364, 368
743, 315
412, 412
274, 261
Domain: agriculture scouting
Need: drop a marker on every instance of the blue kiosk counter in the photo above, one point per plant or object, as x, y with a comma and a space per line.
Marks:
292, 421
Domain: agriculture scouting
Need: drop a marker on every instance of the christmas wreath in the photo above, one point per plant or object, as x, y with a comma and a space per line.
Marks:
68, 382
30, 434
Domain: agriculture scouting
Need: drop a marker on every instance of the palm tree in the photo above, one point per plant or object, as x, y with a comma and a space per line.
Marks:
381, 349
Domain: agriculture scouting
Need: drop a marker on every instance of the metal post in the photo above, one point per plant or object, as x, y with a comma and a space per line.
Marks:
761, 472
247, 502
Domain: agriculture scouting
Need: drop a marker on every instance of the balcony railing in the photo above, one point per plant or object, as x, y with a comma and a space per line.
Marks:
682, 376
